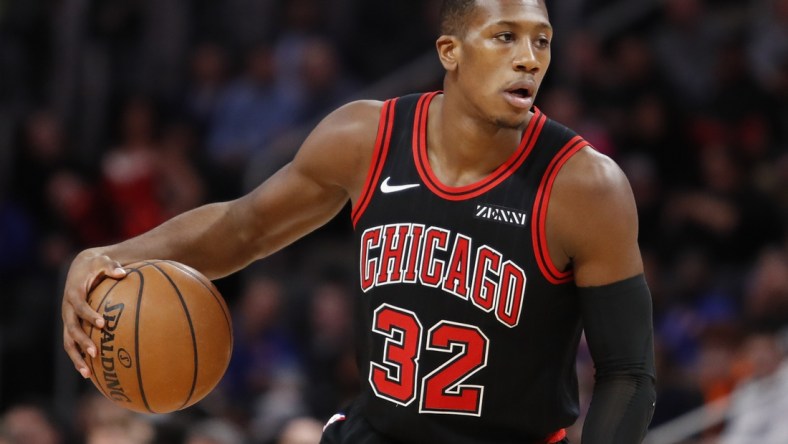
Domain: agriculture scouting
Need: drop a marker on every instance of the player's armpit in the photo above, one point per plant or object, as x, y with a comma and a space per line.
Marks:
618, 324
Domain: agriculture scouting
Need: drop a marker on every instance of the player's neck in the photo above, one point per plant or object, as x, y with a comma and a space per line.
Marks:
463, 149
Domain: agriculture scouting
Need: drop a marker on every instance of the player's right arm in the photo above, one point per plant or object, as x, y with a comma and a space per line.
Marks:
220, 238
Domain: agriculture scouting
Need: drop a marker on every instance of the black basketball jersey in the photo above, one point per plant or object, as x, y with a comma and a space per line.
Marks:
470, 331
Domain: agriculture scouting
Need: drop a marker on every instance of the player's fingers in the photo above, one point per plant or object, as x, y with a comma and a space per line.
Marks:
75, 306
75, 354
73, 332
114, 270
111, 269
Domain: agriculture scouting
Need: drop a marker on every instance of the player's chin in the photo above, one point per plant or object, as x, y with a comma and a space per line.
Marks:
511, 122
509, 117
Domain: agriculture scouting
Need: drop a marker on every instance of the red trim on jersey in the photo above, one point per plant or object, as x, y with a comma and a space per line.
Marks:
421, 158
378, 159
538, 231
420, 118
556, 437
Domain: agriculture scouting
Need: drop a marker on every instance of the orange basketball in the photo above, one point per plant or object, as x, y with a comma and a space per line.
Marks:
167, 337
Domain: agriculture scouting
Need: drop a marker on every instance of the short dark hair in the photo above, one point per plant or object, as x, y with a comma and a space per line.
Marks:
454, 16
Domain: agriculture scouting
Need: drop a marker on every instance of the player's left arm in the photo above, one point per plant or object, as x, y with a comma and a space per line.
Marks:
593, 219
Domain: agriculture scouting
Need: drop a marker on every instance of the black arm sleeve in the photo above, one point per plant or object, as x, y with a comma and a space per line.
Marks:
618, 325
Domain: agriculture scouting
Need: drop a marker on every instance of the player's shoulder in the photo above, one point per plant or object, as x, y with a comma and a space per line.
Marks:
592, 217
339, 149
351, 126
592, 188
593, 174
355, 119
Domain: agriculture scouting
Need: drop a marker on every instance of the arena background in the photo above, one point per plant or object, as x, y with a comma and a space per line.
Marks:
118, 114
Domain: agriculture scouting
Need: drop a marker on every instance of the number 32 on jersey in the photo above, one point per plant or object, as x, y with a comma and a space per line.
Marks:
443, 391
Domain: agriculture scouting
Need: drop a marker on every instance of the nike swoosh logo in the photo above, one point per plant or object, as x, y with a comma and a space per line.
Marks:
386, 188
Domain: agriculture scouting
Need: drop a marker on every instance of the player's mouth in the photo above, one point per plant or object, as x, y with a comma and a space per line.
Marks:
520, 95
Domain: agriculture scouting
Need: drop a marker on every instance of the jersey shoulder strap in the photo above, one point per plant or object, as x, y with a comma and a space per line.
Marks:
396, 116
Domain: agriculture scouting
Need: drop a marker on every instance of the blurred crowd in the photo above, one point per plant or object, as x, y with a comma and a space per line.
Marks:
118, 114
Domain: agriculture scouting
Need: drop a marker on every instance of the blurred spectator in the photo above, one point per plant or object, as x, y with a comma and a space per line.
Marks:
630, 78
263, 348
758, 405
725, 216
766, 292
42, 216
716, 368
774, 180
25, 52
5, 436
652, 128
280, 404
768, 47
17, 241
131, 430
240, 23
635, 71
685, 46
677, 392
736, 92
317, 83
564, 106
79, 211
140, 44
93, 409
215, 431
164, 38
55, 190
30, 424
330, 356
311, 69
207, 77
697, 301
584, 67
394, 33
39, 153
779, 104
302, 21
323, 82
647, 188
301, 431
180, 185
28, 323
250, 112
129, 170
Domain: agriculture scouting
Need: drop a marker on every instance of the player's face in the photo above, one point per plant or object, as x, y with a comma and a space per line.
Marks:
503, 58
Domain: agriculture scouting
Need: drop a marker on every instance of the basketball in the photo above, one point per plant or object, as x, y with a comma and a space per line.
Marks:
167, 337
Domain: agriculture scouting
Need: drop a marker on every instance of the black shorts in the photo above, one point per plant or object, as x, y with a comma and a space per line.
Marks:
349, 427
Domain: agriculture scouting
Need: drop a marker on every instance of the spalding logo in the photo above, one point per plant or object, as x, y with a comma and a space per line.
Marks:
124, 357
112, 314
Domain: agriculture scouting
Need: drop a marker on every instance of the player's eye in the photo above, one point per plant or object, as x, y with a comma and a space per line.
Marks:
543, 42
505, 37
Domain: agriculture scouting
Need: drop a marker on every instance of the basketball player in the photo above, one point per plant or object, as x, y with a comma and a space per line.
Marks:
489, 237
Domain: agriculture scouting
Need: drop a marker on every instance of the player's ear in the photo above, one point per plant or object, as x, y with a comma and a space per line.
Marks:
448, 47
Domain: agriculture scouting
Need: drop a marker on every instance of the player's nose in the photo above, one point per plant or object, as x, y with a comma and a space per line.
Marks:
525, 58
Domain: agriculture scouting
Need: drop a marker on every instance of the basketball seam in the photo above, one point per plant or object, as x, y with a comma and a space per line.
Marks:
208, 287
137, 339
191, 330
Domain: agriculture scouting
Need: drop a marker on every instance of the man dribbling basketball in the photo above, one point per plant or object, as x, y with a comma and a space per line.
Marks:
489, 237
